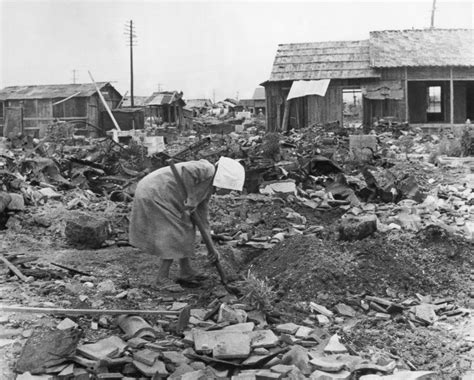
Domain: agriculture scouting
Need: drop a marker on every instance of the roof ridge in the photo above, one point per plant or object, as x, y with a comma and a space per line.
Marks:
323, 42
57, 84
423, 30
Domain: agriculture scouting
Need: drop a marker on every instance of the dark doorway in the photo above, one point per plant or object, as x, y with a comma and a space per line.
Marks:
470, 102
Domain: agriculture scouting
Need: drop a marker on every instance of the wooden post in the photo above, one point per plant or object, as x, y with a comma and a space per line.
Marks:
286, 116
406, 95
298, 123
451, 96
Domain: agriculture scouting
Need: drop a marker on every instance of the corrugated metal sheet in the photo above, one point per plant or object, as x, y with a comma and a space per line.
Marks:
323, 60
425, 47
52, 91
162, 98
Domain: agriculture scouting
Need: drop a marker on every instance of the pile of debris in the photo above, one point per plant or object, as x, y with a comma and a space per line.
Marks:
222, 341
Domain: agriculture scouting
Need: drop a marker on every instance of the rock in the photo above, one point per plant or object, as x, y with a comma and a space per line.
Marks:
175, 357
282, 368
17, 202
303, 332
263, 339
267, 374
409, 222
322, 319
297, 356
86, 231
240, 327
288, 328
320, 375
49, 193
425, 312
320, 309
327, 364
5, 200
334, 346
357, 228
181, 370
66, 323
178, 306
146, 356
106, 287
104, 348
229, 314
346, 310
230, 344
157, 368
236, 348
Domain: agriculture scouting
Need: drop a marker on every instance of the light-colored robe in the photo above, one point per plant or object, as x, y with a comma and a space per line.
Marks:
158, 224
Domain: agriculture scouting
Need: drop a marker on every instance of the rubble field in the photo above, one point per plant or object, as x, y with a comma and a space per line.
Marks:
348, 258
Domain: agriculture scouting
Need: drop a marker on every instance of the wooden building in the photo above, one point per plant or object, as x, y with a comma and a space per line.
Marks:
255, 105
420, 76
166, 106
30, 109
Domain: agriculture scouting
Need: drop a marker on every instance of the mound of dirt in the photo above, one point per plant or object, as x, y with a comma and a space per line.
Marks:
307, 268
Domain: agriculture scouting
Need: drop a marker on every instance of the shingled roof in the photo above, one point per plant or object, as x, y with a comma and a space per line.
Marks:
49, 91
422, 47
322, 60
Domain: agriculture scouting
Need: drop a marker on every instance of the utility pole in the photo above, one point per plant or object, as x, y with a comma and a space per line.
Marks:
74, 76
159, 86
213, 96
131, 41
433, 9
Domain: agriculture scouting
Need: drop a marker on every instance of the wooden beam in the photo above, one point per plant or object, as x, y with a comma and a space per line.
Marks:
105, 103
53, 310
451, 96
286, 116
55, 118
14, 269
66, 99
121, 100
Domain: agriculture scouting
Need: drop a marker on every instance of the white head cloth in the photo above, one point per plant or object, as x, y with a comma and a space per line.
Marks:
230, 174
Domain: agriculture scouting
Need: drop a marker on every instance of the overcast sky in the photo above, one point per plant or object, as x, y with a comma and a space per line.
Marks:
196, 47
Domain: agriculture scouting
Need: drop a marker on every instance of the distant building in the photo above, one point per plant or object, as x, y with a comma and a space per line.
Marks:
256, 105
165, 107
199, 106
419, 76
31, 109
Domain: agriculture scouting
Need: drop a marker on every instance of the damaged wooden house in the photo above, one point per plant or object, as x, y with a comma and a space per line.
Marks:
165, 107
424, 77
31, 109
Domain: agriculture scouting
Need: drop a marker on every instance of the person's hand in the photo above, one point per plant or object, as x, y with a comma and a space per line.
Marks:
188, 207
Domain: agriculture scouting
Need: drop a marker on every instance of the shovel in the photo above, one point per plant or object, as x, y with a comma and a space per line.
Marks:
213, 255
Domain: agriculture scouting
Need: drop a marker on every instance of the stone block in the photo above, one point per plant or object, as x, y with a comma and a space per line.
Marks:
17, 202
86, 231
357, 228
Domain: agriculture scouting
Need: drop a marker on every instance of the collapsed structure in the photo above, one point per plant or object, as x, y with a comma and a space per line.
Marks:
418, 76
